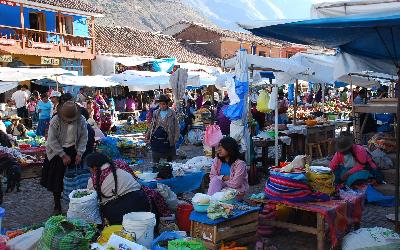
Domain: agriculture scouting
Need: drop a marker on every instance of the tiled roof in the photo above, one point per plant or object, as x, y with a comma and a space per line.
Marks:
240, 36
70, 4
130, 41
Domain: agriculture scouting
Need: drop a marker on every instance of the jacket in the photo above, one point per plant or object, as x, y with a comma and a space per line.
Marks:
57, 135
238, 178
361, 159
172, 128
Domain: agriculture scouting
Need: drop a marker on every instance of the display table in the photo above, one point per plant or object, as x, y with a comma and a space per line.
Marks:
180, 184
240, 228
344, 124
340, 215
33, 169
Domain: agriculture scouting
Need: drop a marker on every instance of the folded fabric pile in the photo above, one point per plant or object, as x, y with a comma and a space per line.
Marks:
291, 187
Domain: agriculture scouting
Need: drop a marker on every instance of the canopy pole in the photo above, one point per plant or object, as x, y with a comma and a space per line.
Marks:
353, 113
276, 125
397, 189
296, 89
323, 93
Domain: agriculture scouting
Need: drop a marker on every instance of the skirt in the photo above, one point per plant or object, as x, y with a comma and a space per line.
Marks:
115, 210
53, 171
43, 126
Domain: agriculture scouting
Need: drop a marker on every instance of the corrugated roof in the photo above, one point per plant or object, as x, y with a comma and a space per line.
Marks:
240, 36
70, 4
131, 41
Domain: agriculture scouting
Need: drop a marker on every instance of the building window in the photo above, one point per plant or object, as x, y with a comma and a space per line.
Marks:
262, 53
64, 24
37, 21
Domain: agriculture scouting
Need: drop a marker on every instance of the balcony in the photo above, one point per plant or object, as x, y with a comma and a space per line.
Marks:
15, 40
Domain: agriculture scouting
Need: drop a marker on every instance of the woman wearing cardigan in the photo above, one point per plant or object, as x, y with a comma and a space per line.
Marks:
228, 171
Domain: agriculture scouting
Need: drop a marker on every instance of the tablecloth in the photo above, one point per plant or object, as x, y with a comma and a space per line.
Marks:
339, 214
180, 184
203, 218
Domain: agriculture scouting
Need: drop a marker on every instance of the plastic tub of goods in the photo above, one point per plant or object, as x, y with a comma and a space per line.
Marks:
201, 202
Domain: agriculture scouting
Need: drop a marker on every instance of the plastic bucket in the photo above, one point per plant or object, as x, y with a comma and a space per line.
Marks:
183, 214
142, 225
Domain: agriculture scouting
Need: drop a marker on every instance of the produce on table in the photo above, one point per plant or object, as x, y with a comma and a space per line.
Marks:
218, 210
140, 127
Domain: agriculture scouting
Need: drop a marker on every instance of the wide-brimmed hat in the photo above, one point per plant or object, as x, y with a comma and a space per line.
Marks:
69, 111
15, 117
163, 98
344, 143
55, 94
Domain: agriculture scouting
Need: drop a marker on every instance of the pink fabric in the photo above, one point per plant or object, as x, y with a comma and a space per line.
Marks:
238, 178
362, 158
130, 105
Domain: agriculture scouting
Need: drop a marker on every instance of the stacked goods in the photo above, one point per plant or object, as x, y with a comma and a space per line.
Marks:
140, 127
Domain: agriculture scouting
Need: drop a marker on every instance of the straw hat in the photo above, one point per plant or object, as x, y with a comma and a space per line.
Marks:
15, 117
344, 143
69, 112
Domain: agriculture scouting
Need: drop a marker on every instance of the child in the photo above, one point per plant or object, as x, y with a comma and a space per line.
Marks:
32, 109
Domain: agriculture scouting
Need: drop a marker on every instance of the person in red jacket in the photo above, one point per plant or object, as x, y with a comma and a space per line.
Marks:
352, 163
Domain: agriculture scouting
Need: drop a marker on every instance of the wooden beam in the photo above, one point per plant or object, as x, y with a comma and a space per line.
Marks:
22, 19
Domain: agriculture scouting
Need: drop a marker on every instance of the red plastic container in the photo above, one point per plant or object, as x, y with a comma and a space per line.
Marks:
183, 214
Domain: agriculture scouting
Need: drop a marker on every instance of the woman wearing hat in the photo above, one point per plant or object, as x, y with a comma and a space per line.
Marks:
164, 131
55, 98
351, 164
16, 128
65, 145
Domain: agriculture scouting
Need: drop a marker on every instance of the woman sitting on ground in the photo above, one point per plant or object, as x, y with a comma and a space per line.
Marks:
227, 170
352, 164
118, 191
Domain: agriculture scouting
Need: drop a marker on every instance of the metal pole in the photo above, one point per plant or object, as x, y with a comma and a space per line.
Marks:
276, 125
397, 189
296, 89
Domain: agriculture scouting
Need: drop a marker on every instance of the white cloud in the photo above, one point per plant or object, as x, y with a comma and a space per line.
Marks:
278, 12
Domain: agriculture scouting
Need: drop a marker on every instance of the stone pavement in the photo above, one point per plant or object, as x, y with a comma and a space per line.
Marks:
34, 204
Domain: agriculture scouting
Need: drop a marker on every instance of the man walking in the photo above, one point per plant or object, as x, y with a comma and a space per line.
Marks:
20, 99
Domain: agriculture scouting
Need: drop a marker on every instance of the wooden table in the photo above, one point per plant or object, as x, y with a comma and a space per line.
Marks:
264, 144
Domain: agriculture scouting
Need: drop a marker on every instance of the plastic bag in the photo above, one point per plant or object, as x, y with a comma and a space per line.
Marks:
166, 236
263, 102
233, 96
191, 244
170, 197
324, 183
195, 136
273, 98
85, 208
371, 238
234, 112
27, 241
212, 136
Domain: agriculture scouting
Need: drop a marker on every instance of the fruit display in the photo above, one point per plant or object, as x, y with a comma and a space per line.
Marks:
307, 111
32, 142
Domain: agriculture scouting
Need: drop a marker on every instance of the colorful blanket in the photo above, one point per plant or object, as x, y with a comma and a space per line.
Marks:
339, 214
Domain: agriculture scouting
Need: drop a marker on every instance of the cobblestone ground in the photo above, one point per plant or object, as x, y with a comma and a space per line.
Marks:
34, 204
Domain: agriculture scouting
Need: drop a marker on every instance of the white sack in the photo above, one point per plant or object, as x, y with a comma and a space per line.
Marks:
85, 208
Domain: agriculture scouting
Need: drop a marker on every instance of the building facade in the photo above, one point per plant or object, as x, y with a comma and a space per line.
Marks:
224, 43
47, 33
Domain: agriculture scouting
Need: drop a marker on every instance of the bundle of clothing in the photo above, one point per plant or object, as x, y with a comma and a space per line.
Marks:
291, 187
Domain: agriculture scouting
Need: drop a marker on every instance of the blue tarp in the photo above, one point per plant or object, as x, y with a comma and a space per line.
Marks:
164, 65
181, 184
203, 218
375, 36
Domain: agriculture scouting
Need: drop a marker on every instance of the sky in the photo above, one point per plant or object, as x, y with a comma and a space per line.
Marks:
226, 13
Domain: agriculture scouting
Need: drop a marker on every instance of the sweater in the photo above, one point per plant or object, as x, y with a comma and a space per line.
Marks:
361, 159
170, 124
58, 133
238, 177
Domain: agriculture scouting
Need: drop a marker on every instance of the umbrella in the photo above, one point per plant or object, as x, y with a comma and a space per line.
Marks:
374, 36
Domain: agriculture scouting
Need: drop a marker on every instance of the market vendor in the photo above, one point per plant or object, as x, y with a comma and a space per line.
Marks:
44, 109
283, 106
16, 128
352, 164
65, 145
117, 190
164, 132
227, 170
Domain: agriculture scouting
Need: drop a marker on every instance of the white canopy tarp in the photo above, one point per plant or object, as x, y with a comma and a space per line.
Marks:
309, 67
87, 81
6, 86
25, 74
105, 64
147, 80
344, 8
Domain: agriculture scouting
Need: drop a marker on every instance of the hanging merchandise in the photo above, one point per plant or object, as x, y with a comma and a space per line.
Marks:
263, 102
236, 132
272, 98
231, 88
234, 112
212, 136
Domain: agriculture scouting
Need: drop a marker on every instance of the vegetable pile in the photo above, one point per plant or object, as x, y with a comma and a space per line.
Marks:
81, 194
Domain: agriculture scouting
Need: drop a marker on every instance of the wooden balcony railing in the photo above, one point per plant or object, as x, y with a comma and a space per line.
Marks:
44, 39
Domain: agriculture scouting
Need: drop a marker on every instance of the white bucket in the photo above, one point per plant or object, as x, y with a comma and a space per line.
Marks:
142, 224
